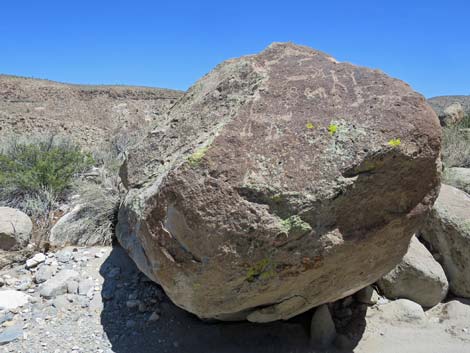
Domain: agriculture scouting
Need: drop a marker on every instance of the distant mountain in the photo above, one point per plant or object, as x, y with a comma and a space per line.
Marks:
441, 102
89, 114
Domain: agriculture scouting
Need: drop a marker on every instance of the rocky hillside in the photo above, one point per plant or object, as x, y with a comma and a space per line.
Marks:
441, 102
89, 114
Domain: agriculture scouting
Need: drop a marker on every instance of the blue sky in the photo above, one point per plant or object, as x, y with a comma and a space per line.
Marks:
172, 44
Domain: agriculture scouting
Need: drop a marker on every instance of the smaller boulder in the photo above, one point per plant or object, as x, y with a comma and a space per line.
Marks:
456, 310
35, 260
57, 285
64, 232
75, 228
452, 114
447, 231
12, 299
458, 177
15, 229
44, 273
403, 310
322, 330
86, 287
417, 277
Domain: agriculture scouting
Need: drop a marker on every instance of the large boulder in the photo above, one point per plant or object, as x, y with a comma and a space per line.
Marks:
15, 229
279, 182
458, 177
417, 277
447, 231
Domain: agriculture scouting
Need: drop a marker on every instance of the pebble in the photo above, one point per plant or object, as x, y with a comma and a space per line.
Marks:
72, 287
133, 303
35, 260
44, 273
63, 256
154, 317
58, 284
11, 333
86, 287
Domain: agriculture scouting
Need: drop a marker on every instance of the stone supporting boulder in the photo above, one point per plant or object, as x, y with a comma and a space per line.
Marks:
447, 231
417, 277
279, 182
322, 328
15, 229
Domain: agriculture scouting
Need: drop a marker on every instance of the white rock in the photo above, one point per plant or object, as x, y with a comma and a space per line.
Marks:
35, 260
12, 299
58, 284
15, 229
403, 310
86, 287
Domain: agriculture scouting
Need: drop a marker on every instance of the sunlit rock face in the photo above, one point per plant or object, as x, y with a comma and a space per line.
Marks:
278, 182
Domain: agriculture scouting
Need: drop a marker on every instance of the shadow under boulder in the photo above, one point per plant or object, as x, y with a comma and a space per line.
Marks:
138, 317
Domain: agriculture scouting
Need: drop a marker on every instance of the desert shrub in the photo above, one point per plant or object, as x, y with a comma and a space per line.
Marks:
36, 174
456, 144
29, 166
98, 195
465, 123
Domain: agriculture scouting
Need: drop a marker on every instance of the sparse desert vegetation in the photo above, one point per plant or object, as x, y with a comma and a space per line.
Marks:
44, 176
456, 144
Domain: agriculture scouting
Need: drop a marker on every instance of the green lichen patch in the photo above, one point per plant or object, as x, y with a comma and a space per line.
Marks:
197, 156
294, 226
333, 129
394, 142
262, 270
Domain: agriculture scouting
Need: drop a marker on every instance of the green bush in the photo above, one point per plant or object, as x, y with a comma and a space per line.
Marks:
30, 166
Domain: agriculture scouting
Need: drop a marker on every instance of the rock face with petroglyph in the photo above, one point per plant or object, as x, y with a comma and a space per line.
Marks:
279, 182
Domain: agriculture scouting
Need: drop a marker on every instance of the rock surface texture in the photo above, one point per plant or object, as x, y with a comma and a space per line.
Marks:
279, 182
417, 277
448, 233
15, 229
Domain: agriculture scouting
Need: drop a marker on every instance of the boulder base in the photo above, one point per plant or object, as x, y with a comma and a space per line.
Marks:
279, 182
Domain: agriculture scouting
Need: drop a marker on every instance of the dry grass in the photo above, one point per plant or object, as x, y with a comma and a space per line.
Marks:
96, 216
456, 145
